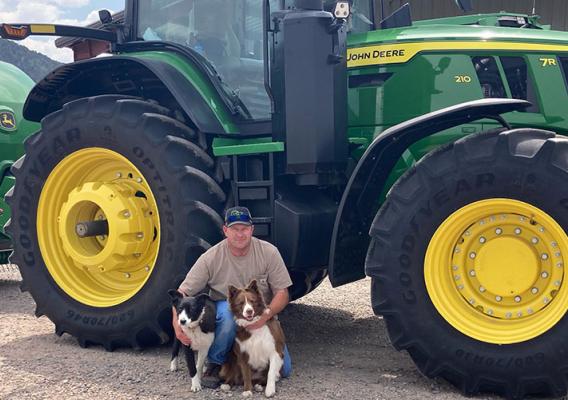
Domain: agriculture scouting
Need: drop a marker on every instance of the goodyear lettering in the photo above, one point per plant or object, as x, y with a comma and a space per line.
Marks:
408, 244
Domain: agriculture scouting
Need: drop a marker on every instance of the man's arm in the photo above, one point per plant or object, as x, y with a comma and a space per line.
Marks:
278, 303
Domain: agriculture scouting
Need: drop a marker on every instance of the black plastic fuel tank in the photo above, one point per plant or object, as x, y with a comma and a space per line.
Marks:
309, 85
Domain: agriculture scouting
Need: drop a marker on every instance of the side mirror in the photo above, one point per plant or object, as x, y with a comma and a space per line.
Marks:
464, 5
105, 17
341, 10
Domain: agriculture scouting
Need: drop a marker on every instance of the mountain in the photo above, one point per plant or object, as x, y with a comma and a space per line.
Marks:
35, 64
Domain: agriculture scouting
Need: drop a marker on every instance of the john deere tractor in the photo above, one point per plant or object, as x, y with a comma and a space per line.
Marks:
427, 155
14, 88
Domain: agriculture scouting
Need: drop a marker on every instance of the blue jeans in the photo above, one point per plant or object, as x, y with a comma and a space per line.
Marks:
225, 331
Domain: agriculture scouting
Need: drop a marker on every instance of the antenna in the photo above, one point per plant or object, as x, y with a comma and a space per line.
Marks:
534, 7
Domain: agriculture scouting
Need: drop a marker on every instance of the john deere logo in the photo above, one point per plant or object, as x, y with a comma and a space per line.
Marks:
7, 121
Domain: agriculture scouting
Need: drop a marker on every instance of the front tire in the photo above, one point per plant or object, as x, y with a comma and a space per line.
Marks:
467, 263
130, 163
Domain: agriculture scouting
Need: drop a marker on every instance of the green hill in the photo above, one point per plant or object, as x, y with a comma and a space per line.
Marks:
35, 64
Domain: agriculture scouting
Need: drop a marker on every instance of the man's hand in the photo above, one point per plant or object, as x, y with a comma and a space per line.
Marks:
177, 329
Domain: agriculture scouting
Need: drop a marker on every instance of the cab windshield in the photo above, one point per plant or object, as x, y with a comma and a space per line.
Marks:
229, 34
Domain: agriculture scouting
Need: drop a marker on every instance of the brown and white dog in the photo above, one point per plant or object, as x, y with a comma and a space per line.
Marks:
257, 355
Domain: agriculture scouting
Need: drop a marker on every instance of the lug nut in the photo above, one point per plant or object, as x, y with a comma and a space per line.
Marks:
472, 255
508, 315
481, 289
544, 256
517, 299
534, 290
472, 272
118, 175
139, 180
534, 240
482, 239
127, 275
498, 231
126, 214
517, 231
498, 298
544, 274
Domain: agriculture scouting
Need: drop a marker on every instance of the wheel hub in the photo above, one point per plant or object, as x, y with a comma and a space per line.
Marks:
494, 269
98, 184
130, 226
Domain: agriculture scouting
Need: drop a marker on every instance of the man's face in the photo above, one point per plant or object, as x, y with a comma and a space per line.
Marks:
238, 235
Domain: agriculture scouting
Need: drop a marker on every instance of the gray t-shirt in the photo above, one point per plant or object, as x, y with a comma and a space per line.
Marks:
218, 268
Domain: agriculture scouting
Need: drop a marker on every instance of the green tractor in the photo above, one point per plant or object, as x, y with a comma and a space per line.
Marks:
429, 156
14, 88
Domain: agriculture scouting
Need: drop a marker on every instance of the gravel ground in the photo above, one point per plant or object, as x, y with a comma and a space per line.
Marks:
339, 350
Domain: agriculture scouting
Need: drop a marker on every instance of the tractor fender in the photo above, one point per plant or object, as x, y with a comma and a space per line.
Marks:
122, 75
359, 202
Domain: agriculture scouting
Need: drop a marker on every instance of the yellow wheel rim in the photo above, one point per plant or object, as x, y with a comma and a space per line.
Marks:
494, 270
97, 184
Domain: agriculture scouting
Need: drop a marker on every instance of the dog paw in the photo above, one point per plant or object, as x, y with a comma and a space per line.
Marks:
270, 390
174, 365
225, 387
195, 384
247, 393
258, 388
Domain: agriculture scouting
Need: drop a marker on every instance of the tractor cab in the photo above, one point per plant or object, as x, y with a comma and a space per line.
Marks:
229, 34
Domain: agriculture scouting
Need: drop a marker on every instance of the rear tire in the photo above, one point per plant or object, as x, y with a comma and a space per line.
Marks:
464, 317
179, 177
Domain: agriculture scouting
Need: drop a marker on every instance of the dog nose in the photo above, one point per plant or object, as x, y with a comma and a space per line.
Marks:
182, 321
248, 312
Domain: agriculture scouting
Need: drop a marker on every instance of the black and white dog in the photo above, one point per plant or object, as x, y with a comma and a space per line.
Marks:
196, 316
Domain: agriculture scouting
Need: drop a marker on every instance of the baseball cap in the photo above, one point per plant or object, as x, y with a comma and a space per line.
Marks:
238, 215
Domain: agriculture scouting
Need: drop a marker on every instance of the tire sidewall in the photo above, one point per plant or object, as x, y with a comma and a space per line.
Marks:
533, 181
134, 144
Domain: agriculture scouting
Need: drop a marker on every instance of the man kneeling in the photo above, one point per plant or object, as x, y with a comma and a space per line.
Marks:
237, 260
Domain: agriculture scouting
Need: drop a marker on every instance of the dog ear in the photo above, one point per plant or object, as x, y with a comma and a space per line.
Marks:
203, 297
175, 296
253, 285
233, 291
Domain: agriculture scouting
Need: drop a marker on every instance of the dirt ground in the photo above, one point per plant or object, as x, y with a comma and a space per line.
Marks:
339, 350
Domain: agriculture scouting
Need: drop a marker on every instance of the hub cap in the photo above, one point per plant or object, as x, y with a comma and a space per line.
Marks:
89, 185
494, 270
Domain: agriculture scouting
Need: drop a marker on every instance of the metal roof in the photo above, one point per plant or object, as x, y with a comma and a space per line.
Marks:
70, 41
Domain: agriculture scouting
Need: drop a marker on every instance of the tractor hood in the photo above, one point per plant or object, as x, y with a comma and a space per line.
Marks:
503, 19
446, 32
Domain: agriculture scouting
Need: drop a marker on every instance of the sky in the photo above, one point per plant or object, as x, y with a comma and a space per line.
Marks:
64, 12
